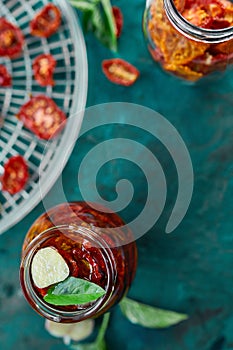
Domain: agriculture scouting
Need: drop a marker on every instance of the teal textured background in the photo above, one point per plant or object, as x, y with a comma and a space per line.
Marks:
188, 271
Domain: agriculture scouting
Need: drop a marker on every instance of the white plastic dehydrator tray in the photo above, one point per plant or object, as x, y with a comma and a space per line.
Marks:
45, 159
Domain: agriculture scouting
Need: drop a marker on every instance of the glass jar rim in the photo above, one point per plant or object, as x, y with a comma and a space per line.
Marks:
209, 36
50, 311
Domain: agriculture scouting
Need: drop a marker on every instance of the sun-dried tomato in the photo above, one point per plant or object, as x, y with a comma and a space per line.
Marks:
225, 47
5, 78
208, 63
197, 16
11, 39
208, 14
179, 50
156, 54
15, 174
120, 72
46, 22
118, 16
183, 72
42, 116
218, 23
180, 4
43, 68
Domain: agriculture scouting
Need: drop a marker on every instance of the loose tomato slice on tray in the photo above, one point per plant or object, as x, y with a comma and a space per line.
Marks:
15, 174
118, 16
43, 68
120, 72
42, 116
46, 22
5, 78
11, 39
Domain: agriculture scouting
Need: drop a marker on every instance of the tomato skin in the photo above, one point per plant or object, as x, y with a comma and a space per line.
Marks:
118, 16
15, 175
120, 72
11, 39
43, 68
42, 116
5, 78
46, 22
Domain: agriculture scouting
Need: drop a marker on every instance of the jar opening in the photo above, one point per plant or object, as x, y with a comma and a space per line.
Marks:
87, 239
192, 31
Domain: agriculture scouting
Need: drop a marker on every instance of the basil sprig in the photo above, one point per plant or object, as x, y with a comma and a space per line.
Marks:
98, 18
149, 316
137, 313
73, 291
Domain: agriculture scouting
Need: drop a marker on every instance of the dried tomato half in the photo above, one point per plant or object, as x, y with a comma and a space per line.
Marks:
43, 68
11, 39
42, 116
46, 22
209, 14
15, 174
118, 16
5, 78
120, 72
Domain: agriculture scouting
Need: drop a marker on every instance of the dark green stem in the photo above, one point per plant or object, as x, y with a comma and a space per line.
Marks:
103, 328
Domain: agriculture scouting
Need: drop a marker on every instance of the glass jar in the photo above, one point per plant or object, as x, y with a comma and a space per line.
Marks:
96, 245
190, 39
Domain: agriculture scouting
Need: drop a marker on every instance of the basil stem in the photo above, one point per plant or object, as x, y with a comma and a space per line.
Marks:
99, 343
103, 328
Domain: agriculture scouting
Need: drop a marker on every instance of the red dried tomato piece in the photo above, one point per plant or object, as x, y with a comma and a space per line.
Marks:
118, 16
225, 47
46, 22
218, 23
42, 116
180, 4
11, 39
209, 14
5, 78
43, 68
15, 174
120, 72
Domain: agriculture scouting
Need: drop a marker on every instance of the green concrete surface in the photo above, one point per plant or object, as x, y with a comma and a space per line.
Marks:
190, 270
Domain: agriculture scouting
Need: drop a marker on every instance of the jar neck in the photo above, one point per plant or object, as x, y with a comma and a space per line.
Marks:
50, 311
210, 36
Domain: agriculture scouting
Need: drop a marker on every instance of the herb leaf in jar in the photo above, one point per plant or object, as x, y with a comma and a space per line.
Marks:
73, 291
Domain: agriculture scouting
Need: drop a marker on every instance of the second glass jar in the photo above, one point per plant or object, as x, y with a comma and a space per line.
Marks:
190, 39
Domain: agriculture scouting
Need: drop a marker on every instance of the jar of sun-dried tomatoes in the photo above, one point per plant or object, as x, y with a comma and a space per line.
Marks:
78, 260
190, 38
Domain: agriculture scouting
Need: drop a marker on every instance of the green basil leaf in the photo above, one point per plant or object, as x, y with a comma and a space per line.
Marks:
87, 22
98, 18
73, 291
102, 29
110, 27
148, 316
83, 5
